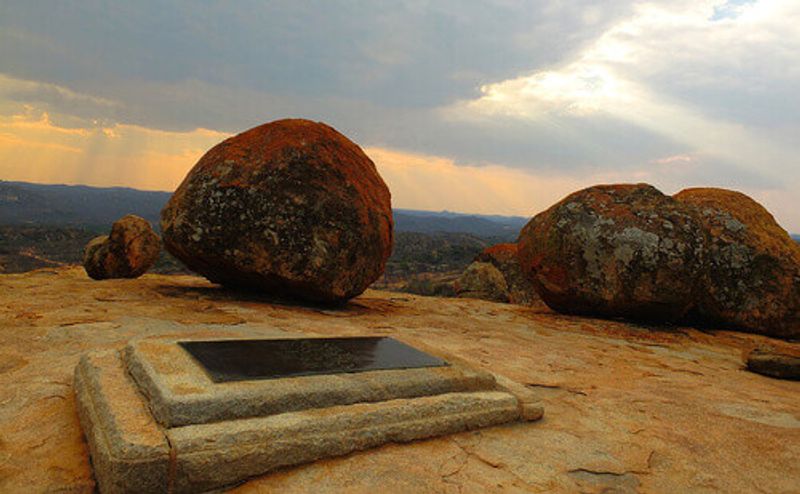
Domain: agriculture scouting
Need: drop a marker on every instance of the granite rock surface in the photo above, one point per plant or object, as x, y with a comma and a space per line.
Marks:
630, 408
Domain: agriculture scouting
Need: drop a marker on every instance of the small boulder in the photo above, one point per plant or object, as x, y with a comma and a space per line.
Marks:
504, 257
292, 208
616, 251
769, 362
751, 279
482, 280
128, 252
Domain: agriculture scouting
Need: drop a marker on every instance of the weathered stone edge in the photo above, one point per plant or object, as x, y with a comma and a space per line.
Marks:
119, 466
210, 456
530, 405
143, 374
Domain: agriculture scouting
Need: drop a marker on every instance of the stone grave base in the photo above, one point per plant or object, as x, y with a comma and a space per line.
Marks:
155, 422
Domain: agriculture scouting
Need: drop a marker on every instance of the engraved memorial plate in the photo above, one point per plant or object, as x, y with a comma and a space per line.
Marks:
242, 360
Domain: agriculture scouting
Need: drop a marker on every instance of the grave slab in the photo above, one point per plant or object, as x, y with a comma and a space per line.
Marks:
156, 421
180, 392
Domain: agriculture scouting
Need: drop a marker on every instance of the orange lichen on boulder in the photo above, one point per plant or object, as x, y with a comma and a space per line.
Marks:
291, 207
615, 250
751, 279
500, 253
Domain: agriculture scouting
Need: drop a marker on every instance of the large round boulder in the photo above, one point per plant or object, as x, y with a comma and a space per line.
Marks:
291, 207
617, 251
128, 252
504, 257
751, 279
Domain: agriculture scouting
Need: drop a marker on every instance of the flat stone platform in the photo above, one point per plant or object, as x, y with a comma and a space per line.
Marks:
155, 420
181, 393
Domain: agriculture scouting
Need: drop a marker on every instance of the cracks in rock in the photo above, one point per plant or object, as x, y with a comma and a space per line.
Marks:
468, 453
61, 397
650, 460
687, 371
556, 386
446, 478
622, 482
612, 473
598, 472
58, 383
38, 445
481, 458
459, 467
613, 480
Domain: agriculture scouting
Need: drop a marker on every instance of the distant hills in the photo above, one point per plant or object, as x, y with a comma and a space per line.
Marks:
408, 220
23, 203
75, 205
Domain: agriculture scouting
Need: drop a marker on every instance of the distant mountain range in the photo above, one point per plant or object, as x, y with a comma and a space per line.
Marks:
23, 203
75, 205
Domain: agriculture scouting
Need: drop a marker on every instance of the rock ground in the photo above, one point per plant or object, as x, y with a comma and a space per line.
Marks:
628, 408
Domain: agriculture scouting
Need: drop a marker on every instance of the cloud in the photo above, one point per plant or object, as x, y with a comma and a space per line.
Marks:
436, 183
496, 92
639, 70
33, 148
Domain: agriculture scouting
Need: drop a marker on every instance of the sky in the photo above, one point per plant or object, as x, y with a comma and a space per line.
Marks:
497, 106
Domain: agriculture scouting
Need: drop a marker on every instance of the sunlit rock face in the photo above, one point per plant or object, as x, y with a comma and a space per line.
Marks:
617, 251
751, 279
128, 252
291, 207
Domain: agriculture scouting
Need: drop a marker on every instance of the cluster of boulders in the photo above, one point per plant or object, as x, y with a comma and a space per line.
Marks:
296, 209
292, 208
631, 251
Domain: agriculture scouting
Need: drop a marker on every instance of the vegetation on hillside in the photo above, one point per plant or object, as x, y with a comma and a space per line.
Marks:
27, 247
421, 263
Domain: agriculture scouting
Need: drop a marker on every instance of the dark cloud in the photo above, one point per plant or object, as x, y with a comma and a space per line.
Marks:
412, 54
384, 73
